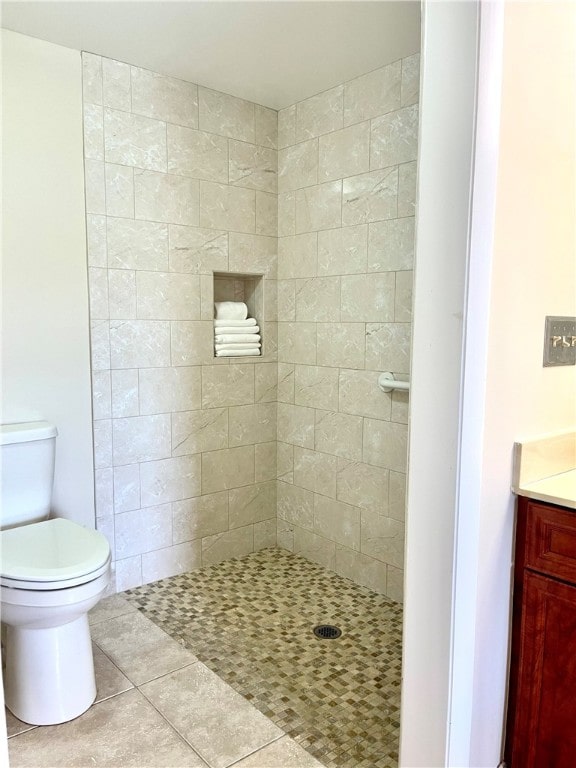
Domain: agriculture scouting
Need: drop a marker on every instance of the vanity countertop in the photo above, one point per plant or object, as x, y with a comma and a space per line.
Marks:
545, 469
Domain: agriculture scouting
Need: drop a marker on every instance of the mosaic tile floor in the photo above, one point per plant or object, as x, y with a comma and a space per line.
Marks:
250, 620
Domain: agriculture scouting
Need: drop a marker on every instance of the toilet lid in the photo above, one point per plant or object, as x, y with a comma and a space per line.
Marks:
51, 551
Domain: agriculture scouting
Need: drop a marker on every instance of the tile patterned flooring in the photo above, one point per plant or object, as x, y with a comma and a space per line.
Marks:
219, 667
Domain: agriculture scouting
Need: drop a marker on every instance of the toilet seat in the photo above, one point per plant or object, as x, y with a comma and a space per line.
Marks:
53, 554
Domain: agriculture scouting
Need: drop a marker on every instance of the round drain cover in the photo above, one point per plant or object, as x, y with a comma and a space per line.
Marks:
327, 632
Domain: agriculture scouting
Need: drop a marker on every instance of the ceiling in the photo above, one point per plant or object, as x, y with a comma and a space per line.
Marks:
268, 51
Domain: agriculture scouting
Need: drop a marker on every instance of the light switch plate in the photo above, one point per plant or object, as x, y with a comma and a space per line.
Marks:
560, 341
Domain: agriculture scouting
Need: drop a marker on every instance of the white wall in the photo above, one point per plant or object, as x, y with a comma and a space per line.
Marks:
45, 348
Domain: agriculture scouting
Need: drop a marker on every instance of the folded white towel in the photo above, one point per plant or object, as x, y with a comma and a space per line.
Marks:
234, 323
248, 329
237, 338
245, 345
240, 352
231, 310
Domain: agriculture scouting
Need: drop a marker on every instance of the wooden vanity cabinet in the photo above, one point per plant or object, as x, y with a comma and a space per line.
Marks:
541, 724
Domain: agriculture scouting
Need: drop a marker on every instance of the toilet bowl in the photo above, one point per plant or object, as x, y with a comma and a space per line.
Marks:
52, 573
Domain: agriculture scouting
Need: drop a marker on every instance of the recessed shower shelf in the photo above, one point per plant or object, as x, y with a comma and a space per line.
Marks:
248, 288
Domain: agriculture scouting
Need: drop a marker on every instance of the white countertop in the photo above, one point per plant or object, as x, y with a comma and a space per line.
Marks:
557, 489
545, 469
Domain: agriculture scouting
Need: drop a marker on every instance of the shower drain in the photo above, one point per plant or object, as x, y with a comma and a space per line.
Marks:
327, 631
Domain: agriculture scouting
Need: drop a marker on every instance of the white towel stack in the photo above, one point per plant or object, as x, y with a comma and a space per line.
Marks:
235, 334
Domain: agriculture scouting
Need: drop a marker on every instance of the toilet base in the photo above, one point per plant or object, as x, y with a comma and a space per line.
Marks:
49, 672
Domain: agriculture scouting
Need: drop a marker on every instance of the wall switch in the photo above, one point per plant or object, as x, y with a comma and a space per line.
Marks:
560, 341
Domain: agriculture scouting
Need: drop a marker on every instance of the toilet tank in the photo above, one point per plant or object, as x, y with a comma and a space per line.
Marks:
27, 454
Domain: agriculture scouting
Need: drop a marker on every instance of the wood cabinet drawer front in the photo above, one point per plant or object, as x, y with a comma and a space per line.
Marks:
551, 541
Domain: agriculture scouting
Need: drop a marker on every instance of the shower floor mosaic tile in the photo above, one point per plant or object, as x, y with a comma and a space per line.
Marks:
251, 621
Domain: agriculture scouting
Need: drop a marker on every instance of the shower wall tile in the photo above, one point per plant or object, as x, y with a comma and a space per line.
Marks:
227, 385
407, 189
197, 154
116, 84
91, 78
170, 480
199, 431
316, 386
318, 299
265, 466
223, 546
286, 214
385, 444
193, 519
382, 538
286, 126
167, 296
101, 395
266, 126
93, 132
141, 438
252, 423
164, 98
166, 197
373, 94
297, 343
315, 471
410, 79
143, 529
397, 496
297, 256
388, 347
254, 254
320, 114
134, 140
126, 488
370, 197
252, 504
228, 468
224, 207
266, 214
319, 207
253, 166
119, 190
226, 115
169, 390
362, 569
344, 153
139, 343
296, 505
137, 244
96, 240
341, 344
196, 250
121, 294
95, 185
359, 395
180, 558
316, 548
368, 298
339, 434
403, 297
343, 251
362, 485
391, 244
191, 342
266, 383
298, 166
296, 425
394, 138
338, 521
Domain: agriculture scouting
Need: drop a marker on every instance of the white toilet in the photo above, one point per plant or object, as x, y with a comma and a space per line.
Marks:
52, 572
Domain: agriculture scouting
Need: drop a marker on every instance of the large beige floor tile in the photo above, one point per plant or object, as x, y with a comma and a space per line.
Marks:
219, 723
110, 608
109, 679
284, 753
122, 732
15, 726
139, 648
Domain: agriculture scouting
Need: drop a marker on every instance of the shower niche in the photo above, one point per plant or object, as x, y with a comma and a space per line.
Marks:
245, 287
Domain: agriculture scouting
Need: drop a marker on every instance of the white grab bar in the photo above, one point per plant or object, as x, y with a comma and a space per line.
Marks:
387, 382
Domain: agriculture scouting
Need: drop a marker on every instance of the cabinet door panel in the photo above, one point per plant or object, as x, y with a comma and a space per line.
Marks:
551, 544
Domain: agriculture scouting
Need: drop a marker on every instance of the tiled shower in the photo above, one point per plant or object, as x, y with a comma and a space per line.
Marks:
200, 459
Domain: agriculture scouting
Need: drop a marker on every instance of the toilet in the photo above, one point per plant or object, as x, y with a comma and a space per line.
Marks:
52, 572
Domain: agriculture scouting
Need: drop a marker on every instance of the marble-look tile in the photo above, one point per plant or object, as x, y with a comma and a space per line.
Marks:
199, 517
407, 177
265, 534
314, 547
266, 214
100, 344
91, 78
104, 493
170, 561
286, 214
385, 444
265, 382
195, 699
298, 166
200, 251
287, 127
197, 154
265, 467
285, 534
228, 468
394, 138
337, 521
164, 98
128, 573
119, 190
286, 382
251, 424
134, 140
110, 608
252, 504
101, 395
102, 431
315, 471
166, 197
397, 496
388, 347
126, 488
237, 542
370, 197
227, 385
382, 538
285, 752
400, 406
170, 480
142, 530
140, 649
368, 298
360, 394
139, 343
93, 132
98, 293
297, 343
116, 91
166, 390
391, 245
192, 342
410, 79
361, 569
285, 462
395, 583
296, 425
253, 254
121, 294
225, 207
96, 240
362, 485
253, 166
343, 251
95, 185
226, 115
373, 94
296, 505
123, 730
197, 431
297, 255
344, 153
339, 434
316, 387
403, 297
319, 207
286, 300
137, 244
318, 299
167, 296
266, 126
320, 114
141, 438
341, 344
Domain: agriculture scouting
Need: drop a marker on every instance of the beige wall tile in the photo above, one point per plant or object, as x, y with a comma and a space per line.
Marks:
287, 300
319, 207
93, 132
223, 546
253, 166
339, 434
286, 214
102, 443
286, 126
363, 485
101, 395
141, 438
126, 488
265, 462
341, 344
192, 342
403, 297
166, 197
128, 573
254, 254
165, 390
285, 462
119, 190
394, 138
197, 431
343, 251
373, 94
229, 468
250, 424
286, 382
314, 547
104, 493
134, 140
395, 583
297, 255
391, 245
382, 538
224, 207
96, 240
200, 251
337, 521
316, 387
385, 444
252, 504
170, 561
407, 189
164, 98
296, 425
320, 114
265, 534
368, 298
296, 505
98, 293
315, 471
400, 405
168, 296
388, 347
95, 185
361, 569
197, 154
410, 79
266, 126
226, 115
227, 385
297, 343
91, 78
170, 480
100, 344
344, 153
318, 299
360, 394
143, 530
139, 343
285, 534
137, 244
116, 84
265, 382
370, 197
397, 496
199, 517
266, 214
122, 294
298, 166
